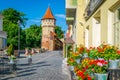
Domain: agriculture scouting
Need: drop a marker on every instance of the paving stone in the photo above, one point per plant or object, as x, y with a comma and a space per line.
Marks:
45, 66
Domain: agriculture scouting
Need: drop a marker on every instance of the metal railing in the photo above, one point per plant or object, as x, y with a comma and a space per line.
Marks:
92, 6
114, 74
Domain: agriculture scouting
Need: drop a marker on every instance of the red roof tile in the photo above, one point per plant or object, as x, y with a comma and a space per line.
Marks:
48, 14
69, 41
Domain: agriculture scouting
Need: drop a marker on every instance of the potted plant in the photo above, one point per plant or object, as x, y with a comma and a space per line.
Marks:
76, 56
99, 67
72, 63
83, 51
82, 72
12, 58
82, 75
112, 55
93, 53
11, 53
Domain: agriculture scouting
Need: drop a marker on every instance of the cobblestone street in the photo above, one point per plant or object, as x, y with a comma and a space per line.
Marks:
45, 66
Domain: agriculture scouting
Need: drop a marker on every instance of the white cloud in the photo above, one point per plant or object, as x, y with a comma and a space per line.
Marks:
60, 15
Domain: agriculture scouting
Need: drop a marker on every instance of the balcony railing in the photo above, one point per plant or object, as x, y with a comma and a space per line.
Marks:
3, 34
92, 6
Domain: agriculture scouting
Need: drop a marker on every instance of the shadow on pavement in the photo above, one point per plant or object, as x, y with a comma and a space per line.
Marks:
27, 74
29, 70
42, 62
21, 57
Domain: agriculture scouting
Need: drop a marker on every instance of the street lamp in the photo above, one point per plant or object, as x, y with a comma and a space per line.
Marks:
18, 38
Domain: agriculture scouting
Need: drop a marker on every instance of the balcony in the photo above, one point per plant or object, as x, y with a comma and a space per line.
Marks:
3, 34
71, 6
92, 6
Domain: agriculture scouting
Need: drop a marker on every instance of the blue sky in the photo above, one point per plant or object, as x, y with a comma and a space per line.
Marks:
35, 10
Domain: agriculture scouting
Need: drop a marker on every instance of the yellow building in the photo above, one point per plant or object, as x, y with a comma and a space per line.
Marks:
94, 21
75, 19
102, 22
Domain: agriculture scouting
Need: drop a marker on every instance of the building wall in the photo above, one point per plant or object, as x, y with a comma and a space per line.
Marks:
3, 35
79, 22
103, 18
47, 43
78, 28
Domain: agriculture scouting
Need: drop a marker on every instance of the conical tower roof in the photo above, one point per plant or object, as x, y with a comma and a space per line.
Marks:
48, 14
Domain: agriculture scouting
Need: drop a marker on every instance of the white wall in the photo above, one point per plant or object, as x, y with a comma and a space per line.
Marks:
96, 33
86, 38
110, 28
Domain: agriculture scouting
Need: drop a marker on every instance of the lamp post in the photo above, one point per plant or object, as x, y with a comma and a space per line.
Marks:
18, 38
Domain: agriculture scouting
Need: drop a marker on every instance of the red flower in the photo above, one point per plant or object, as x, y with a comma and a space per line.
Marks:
81, 74
118, 51
89, 78
95, 62
100, 49
87, 50
81, 49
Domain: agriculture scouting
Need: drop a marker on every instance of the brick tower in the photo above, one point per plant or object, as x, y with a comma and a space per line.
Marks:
48, 26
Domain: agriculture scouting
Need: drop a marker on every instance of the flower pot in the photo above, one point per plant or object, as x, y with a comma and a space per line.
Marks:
113, 64
101, 59
99, 76
85, 55
29, 56
92, 75
78, 61
11, 61
119, 63
71, 68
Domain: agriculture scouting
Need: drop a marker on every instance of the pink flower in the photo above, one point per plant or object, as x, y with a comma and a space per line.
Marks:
92, 69
99, 64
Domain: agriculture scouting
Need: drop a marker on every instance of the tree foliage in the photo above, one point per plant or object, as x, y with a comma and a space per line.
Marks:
13, 16
59, 32
10, 25
29, 37
33, 36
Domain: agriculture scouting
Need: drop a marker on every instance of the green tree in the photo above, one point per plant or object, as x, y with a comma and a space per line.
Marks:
13, 16
22, 39
59, 32
10, 25
33, 36
12, 35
